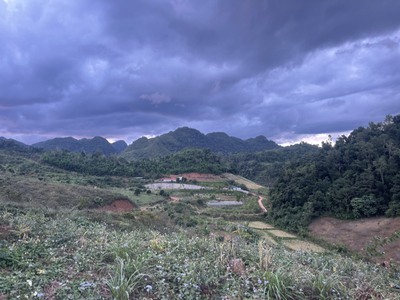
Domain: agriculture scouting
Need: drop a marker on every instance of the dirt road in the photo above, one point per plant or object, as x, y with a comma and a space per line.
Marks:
260, 199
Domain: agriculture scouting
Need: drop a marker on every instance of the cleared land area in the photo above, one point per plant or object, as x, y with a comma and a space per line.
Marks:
241, 180
224, 203
173, 186
361, 235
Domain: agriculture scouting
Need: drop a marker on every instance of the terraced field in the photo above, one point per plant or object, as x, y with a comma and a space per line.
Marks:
275, 237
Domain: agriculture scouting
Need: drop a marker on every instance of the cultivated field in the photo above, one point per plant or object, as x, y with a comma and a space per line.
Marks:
298, 245
281, 234
260, 225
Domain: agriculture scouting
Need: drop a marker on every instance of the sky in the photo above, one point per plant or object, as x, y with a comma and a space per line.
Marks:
289, 70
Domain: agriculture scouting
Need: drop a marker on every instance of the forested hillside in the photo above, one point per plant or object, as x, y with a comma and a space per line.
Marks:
191, 160
357, 177
96, 144
265, 167
10, 144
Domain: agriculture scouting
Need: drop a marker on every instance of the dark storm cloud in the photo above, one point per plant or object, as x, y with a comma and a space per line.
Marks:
127, 68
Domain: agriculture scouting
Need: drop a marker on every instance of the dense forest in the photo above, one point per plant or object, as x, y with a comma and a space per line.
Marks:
267, 166
191, 160
357, 177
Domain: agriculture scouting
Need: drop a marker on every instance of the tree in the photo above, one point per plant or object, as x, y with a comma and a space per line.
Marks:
364, 206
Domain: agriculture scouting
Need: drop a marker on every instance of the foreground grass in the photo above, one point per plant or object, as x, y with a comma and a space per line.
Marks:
53, 255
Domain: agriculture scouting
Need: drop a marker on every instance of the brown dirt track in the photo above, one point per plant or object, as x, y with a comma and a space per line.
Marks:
357, 235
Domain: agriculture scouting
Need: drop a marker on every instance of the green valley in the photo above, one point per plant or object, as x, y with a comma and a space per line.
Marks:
188, 225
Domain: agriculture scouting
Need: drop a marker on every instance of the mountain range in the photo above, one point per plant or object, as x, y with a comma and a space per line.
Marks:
165, 144
189, 138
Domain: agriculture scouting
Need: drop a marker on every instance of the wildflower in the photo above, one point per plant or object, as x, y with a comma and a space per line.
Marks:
38, 295
87, 284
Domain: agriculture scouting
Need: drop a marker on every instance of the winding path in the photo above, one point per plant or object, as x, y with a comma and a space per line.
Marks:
260, 199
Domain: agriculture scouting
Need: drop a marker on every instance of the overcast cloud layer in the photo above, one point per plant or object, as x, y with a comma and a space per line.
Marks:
122, 69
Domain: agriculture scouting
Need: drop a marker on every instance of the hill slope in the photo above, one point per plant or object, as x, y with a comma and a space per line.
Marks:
96, 144
358, 177
12, 144
186, 138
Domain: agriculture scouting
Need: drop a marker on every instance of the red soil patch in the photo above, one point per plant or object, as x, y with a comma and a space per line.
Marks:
357, 235
198, 177
118, 206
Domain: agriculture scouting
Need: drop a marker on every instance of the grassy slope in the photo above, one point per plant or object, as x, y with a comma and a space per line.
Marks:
24, 180
97, 255
62, 256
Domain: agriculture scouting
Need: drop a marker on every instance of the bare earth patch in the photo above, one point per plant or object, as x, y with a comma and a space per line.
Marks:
357, 235
281, 233
260, 225
174, 199
298, 245
118, 206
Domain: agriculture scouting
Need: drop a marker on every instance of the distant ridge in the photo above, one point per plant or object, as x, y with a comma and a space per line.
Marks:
12, 144
96, 144
189, 138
